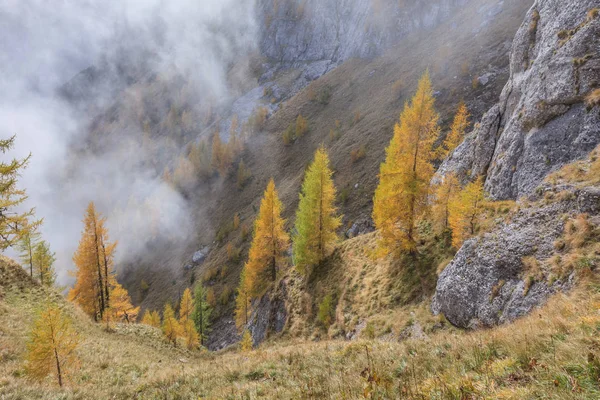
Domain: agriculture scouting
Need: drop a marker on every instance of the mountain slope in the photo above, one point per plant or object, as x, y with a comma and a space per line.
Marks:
551, 354
477, 50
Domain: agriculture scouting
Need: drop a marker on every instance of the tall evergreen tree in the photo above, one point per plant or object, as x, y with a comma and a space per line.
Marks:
201, 313
316, 218
43, 261
269, 243
401, 197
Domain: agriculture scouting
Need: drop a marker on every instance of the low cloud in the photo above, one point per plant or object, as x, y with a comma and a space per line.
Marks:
44, 44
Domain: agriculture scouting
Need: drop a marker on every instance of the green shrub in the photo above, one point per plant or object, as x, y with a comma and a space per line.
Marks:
325, 314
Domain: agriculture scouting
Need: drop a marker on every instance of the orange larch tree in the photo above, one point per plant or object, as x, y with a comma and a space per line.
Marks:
458, 129
243, 302
186, 306
95, 276
444, 193
401, 197
171, 327
269, 243
465, 211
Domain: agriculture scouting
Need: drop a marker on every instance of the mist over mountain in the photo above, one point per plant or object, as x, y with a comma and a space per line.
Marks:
300, 199
65, 63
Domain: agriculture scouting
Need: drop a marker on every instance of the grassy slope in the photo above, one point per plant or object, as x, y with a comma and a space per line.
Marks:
553, 354
455, 54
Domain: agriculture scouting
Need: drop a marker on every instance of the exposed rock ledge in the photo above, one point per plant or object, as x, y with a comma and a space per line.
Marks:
486, 283
541, 121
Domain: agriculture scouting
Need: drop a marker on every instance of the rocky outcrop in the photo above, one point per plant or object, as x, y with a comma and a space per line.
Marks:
269, 314
315, 36
300, 31
541, 121
487, 282
223, 334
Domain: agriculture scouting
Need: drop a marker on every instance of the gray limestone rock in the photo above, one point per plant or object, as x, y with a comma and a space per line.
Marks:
541, 121
486, 283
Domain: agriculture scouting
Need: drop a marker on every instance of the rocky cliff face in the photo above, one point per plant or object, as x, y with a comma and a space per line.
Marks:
541, 121
269, 316
315, 36
492, 280
300, 31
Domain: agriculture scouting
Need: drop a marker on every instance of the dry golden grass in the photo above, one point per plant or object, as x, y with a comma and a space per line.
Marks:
593, 98
582, 173
552, 354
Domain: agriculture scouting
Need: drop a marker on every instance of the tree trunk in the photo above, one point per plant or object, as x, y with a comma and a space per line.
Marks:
274, 255
58, 372
100, 283
321, 245
106, 292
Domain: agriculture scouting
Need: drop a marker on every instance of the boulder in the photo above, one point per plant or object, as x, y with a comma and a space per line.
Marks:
200, 256
486, 283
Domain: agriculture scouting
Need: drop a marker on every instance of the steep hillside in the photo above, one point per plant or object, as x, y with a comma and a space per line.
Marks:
113, 363
365, 96
551, 354
486, 284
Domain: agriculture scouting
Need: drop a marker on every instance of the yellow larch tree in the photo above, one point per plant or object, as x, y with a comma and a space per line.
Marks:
14, 224
301, 126
151, 318
95, 276
269, 243
43, 261
26, 246
235, 145
246, 344
243, 302
457, 131
184, 174
401, 196
200, 157
190, 334
221, 155
171, 327
121, 309
444, 193
52, 345
465, 211
186, 306
89, 288
316, 219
